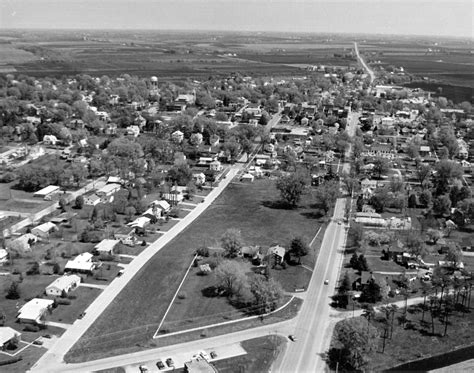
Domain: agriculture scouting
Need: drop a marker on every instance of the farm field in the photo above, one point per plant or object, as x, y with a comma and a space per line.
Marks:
136, 312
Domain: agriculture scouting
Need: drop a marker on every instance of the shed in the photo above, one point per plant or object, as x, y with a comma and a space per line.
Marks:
247, 178
140, 222
44, 229
48, 191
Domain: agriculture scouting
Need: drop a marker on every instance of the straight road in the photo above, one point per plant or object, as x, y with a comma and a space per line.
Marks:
369, 71
52, 360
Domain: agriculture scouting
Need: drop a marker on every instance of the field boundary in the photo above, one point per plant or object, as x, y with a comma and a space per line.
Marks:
225, 322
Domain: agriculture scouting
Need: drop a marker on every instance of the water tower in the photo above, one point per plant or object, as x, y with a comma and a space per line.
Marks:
154, 91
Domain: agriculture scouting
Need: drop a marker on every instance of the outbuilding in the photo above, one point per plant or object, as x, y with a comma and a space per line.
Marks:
6, 335
47, 192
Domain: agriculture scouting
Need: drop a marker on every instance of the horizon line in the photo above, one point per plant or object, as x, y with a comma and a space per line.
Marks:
234, 31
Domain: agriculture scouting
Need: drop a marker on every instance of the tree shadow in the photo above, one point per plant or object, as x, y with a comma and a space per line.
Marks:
317, 214
210, 292
278, 205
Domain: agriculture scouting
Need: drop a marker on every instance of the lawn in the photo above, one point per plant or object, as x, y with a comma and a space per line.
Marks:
28, 356
69, 313
261, 352
252, 208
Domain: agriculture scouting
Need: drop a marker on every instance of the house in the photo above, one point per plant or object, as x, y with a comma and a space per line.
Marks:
215, 166
62, 284
47, 193
24, 242
82, 264
62, 218
110, 129
3, 256
6, 335
91, 200
133, 131
199, 178
140, 222
50, 140
115, 180
33, 311
153, 213
44, 229
277, 253
162, 204
185, 99
173, 198
126, 235
106, 246
177, 137
425, 151
463, 149
199, 365
247, 178
107, 191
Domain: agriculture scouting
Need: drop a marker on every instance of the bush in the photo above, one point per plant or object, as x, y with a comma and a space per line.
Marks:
182, 295
34, 269
203, 251
7, 177
63, 301
31, 328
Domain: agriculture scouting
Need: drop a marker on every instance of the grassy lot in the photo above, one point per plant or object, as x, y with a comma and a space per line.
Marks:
69, 313
407, 345
29, 357
261, 352
252, 208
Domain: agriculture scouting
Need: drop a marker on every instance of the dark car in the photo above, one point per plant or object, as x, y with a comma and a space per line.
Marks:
160, 364
81, 315
170, 362
292, 338
213, 354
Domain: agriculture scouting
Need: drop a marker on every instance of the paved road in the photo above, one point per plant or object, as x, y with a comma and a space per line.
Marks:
369, 71
53, 359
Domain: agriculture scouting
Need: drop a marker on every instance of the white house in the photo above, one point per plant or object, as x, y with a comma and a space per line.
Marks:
82, 263
33, 311
177, 136
64, 283
126, 235
133, 131
140, 222
173, 198
106, 192
106, 246
278, 253
162, 204
46, 192
6, 335
44, 229
91, 200
23, 242
50, 139
247, 178
199, 178
215, 166
3, 256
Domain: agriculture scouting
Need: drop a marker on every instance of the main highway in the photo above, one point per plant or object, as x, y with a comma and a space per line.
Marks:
359, 57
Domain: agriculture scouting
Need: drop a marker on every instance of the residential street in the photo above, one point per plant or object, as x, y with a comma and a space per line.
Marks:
53, 359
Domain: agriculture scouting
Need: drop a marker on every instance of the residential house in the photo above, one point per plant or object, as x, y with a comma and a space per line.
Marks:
81, 264
215, 166
47, 193
463, 149
33, 311
140, 223
33, 120
133, 131
199, 178
91, 199
107, 191
177, 136
247, 178
173, 198
106, 246
62, 284
277, 254
163, 205
50, 140
110, 129
24, 242
7, 334
44, 229
425, 151
62, 218
126, 235
153, 213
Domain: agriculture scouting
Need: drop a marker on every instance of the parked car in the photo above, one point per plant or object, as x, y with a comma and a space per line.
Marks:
160, 364
143, 368
204, 355
213, 354
81, 315
326, 282
170, 362
292, 338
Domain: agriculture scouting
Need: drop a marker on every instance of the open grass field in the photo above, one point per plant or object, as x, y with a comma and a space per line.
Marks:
252, 208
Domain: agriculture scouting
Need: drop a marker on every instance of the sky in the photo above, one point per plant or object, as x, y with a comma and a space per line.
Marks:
402, 17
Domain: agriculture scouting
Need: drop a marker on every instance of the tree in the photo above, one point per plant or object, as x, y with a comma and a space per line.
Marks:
442, 205
412, 201
380, 166
291, 188
56, 268
345, 285
13, 291
326, 195
415, 244
231, 242
231, 277
434, 235
454, 256
351, 183
425, 198
79, 202
446, 171
299, 248
362, 264
371, 292
354, 261
267, 293
180, 174
354, 340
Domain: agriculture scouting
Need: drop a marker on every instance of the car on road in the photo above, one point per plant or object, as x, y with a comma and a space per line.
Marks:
170, 362
81, 315
326, 282
292, 338
143, 368
160, 365
213, 354
339, 222
204, 355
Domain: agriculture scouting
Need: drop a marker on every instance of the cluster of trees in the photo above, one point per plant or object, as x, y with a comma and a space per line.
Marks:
359, 262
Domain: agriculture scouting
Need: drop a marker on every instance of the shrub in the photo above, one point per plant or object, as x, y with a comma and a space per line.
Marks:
31, 328
203, 251
182, 295
63, 301
13, 291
